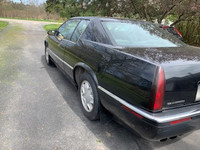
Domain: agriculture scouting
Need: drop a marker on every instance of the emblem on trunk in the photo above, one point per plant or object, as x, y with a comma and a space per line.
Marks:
176, 102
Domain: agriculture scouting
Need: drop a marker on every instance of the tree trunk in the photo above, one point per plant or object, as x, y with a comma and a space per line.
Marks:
148, 18
177, 21
135, 8
165, 14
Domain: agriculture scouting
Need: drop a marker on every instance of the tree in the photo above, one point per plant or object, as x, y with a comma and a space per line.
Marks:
149, 10
24, 9
188, 11
152, 10
65, 8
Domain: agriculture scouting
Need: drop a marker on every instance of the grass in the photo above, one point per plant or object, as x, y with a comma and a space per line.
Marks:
3, 24
9, 54
32, 19
51, 27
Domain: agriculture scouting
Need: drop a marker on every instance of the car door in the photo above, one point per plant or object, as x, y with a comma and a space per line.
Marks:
72, 51
54, 41
57, 41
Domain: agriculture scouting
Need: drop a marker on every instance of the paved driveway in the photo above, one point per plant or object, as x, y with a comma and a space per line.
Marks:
39, 107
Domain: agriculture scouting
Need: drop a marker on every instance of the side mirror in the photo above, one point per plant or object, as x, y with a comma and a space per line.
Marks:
51, 32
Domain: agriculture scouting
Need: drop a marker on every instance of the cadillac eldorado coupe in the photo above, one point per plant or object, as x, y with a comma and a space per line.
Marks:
137, 71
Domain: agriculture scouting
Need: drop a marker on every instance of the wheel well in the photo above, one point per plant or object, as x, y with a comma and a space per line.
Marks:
78, 70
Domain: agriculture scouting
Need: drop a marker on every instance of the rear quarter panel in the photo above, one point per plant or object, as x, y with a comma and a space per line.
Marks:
127, 77
124, 75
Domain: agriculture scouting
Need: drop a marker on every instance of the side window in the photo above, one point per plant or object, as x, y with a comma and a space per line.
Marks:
67, 28
95, 32
89, 33
79, 30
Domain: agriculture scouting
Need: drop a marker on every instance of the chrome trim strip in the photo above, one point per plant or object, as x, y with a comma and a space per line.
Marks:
60, 59
157, 117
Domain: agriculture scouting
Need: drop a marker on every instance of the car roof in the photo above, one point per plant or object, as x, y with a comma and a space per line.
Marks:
107, 19
98, 18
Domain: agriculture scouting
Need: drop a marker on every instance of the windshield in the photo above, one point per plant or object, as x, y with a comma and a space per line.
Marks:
139, 34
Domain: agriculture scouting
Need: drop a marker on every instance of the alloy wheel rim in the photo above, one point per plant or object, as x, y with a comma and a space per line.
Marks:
87, 97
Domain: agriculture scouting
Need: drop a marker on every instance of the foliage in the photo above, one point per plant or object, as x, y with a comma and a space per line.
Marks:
182, 13
67, 8
11, 9
3, 24
51, 27
172, 11
150, 10
190, 31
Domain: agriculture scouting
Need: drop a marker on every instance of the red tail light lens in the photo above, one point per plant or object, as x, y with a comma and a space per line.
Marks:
179, 121
165, 27
178, 32
158, 90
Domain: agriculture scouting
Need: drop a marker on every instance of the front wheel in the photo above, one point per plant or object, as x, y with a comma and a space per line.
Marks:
89, 97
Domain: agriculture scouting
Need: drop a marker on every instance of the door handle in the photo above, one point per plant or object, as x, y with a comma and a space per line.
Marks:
60, 37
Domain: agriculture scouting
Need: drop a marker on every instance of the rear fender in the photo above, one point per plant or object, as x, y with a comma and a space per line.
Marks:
86, 68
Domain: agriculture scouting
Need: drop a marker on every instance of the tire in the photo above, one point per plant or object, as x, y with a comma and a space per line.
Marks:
89, 97
47, 57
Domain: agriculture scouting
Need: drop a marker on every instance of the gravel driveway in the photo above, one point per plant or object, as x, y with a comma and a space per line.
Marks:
39, 107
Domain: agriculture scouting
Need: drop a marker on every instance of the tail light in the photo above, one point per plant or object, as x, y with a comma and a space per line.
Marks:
165, 27
178, 32
158, 90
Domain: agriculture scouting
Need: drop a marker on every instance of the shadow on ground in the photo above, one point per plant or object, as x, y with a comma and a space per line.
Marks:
111, 134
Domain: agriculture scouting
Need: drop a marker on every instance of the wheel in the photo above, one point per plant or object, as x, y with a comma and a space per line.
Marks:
47, 57
89, 97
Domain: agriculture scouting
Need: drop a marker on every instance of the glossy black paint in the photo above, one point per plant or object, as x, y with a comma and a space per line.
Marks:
149, 130
128, 73
54, 44
182, 72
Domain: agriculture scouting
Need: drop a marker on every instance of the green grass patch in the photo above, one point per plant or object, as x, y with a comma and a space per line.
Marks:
51, 27
3, 24
33, 19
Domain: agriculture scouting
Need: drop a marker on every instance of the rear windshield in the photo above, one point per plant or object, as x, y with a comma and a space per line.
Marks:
139, 34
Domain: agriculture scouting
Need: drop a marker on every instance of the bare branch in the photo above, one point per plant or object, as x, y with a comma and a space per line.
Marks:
178, 20
166, 13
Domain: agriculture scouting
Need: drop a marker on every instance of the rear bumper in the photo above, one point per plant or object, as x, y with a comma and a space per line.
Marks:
152, 126
155, 131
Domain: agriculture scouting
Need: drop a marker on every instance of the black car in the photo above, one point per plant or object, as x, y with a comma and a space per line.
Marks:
137, 71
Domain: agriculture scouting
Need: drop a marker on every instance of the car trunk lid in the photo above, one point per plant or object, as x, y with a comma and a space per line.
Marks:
182, 84
181, 67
